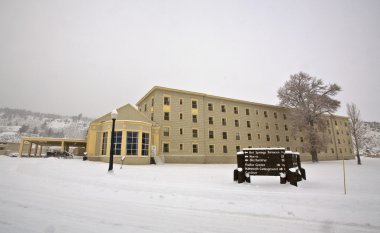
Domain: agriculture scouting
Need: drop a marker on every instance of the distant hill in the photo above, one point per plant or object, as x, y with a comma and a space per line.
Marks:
16, 123
371, 145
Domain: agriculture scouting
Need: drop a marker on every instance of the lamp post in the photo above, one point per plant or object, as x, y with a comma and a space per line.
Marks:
113, 116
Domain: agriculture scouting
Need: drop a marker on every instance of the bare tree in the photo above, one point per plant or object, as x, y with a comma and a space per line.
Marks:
309, 100
357, 128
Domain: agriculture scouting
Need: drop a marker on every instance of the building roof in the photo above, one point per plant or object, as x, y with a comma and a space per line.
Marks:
204, 95
126, 112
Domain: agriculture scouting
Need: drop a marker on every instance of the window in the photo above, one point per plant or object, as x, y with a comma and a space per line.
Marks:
303, 150
166, 100
257, 112
166, 116
332, 150
237, 148
181, 101
236, 123
195, 148
266, 126
152, 116
268, 138
247, 111
345, 124
104, 143
195, 133
336, 123
132, 142
223, 108
210, 107
166, 131
258, 124
258, 136
117, 143
301, 139
211, 134
152, 102
180, 131
329, 131
181, 146
338, 141
195, 118
224, 135
288, 148
145, 144
276, 126
265, 114
278, 137
286, 127
194, 104
225, 150
284, 116
211, 149
340, 150
287, 138
248, 124
224, 121
275, 115
236, 110
165, 148
249, 136
145, 108
180, 116
211, 120
237, 136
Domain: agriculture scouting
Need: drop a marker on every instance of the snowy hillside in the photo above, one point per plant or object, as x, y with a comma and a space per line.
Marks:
371, 146
69, 195
16, 123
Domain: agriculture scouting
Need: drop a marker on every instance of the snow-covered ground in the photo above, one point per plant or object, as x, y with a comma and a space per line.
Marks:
58, 195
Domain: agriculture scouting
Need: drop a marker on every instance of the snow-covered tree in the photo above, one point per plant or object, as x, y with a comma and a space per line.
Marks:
309, 98
357, 128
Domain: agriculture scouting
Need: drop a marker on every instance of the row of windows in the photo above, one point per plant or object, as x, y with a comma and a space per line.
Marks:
166, 149
131, 146
211, 135
210, 107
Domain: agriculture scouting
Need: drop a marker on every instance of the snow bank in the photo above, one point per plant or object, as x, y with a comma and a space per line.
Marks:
55, 195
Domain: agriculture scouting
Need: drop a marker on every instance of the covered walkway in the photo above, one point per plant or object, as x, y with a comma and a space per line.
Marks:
39, 143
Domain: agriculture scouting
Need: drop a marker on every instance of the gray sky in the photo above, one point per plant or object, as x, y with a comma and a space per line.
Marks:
72, 57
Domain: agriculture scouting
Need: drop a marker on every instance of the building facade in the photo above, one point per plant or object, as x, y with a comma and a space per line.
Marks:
188, 127
201, 128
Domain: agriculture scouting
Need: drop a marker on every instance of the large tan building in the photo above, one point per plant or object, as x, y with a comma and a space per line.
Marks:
188, 127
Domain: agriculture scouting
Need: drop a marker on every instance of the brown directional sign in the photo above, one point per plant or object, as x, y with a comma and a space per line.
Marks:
264, 162
269, 162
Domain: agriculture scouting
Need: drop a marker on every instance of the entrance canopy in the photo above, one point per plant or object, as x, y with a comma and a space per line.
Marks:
64, 143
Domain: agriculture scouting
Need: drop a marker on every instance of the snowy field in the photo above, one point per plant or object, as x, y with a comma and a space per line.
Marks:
58, 195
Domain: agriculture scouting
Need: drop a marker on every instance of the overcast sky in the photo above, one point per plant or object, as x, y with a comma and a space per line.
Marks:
72, 57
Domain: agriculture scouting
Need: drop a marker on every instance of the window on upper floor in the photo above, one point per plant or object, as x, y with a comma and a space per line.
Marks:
194, 104
166, 100
166, 116
236, 110
210, 107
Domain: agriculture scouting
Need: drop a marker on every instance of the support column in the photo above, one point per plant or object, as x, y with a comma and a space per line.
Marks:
40, 150
35, 149
139, 143
123, 142
30, 148
21, 148
62, 146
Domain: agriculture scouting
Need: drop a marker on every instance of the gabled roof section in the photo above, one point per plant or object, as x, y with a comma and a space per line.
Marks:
126, 112
203, 94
